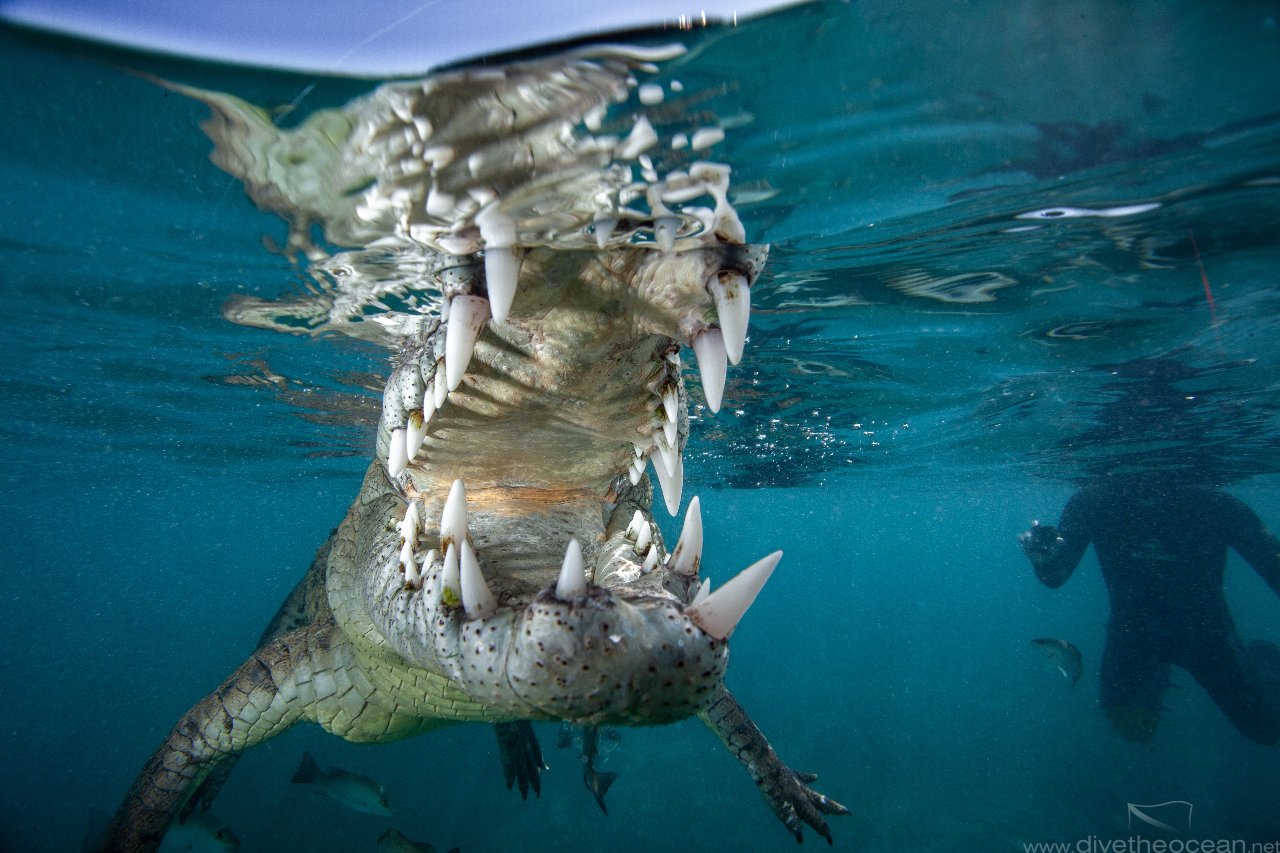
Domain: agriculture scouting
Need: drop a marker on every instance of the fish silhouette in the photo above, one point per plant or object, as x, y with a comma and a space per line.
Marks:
1061, 654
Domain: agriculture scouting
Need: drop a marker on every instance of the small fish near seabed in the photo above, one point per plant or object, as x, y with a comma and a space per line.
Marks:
353, 790
200, 831
1063, 655
395, 841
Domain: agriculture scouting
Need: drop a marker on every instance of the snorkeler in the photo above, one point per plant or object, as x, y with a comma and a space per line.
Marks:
1161, 542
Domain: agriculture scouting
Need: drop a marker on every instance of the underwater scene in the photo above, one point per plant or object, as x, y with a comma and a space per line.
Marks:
856, 423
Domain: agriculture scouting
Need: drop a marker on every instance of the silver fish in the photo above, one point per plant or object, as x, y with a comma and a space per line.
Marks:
1063, 655
353, 790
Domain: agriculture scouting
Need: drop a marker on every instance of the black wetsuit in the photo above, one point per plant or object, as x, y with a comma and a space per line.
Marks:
1163, 552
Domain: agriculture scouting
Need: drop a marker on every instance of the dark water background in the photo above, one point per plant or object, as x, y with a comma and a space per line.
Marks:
924, 376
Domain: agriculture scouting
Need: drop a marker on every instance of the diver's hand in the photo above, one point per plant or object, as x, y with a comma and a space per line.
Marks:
1041, 543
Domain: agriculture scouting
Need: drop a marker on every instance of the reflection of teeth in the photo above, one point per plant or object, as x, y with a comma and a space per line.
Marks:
709, 349
398, 453
650, 559
672, 482
477, 598
687, 557
719, 613
501, 272
604, 230
703, 591
664, 232
450, 576
415, 433
732, 295
453, 520
644, 535
573, 574
467, 315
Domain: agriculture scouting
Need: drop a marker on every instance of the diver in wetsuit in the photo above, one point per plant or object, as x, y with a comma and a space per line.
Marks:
1162, 546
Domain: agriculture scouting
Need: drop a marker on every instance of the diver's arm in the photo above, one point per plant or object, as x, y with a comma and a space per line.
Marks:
1251, 539
1054, 552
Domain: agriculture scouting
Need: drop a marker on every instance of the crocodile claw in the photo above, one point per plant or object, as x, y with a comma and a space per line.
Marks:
796, 804
521, 756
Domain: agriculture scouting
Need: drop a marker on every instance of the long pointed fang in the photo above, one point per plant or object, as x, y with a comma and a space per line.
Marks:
719, 613
501, 272
453, 521
704, 589
712, 365
477, 598
573, 574
451, 578
688, 554
732, 296
398, 453
671, 482
467, 315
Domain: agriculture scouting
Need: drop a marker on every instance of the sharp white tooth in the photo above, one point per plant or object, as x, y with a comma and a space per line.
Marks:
573, 574
671, 402
398, 453
467, 315
667, 450
703, 591
501, 272
672, 431
428, 404
411, 524
640, 454
406, 554
450, 577
636, 524
643, 537
688, 554
650, 560
719, 613
453, 520
732, 295
635, 472
710, 352
672, 482
412, 577
477, 598
664, 232
604, 230
415, 433
441, 389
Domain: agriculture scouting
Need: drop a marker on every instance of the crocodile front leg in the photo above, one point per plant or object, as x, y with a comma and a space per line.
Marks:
267, 694
787, 791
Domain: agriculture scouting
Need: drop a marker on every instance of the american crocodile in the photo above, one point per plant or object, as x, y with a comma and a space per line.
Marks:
500, 562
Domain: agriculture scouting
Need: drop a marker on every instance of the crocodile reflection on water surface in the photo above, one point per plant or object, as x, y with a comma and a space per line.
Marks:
539, 281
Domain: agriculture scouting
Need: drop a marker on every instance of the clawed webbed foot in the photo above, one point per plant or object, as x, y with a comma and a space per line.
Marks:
521, 756
796, 804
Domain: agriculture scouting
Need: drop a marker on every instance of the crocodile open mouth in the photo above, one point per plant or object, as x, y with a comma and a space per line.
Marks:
539, 279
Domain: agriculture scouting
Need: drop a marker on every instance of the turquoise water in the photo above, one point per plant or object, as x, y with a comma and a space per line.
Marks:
1014, 245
